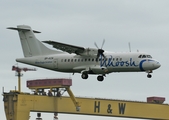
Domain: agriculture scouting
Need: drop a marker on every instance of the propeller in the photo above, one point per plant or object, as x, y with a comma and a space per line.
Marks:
100, 50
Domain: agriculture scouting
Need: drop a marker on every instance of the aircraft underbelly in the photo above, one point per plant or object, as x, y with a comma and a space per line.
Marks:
124, 69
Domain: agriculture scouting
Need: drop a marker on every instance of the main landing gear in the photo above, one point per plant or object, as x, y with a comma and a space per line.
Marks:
99, 78
84, 76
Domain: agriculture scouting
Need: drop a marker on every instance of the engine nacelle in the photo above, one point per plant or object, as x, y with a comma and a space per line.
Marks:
89, 52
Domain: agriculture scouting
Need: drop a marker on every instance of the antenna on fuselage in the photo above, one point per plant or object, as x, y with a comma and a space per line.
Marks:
129, 47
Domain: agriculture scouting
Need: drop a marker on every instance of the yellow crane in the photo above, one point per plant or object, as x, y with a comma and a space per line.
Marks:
18, 105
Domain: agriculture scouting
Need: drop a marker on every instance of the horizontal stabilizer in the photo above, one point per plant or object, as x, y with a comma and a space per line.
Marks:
23, 29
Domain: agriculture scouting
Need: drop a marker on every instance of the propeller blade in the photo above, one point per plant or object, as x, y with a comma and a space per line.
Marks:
103, 43
103, 55
96, 45
98, 55
100, 51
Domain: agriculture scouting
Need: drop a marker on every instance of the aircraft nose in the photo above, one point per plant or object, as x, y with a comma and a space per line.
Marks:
156, 65
149, 65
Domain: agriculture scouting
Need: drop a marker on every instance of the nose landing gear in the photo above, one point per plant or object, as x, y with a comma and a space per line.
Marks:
149, 75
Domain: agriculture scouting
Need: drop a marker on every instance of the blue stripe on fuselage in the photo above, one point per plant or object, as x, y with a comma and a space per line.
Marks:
141, 64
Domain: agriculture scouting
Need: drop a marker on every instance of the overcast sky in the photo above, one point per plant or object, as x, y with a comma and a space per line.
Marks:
143, 23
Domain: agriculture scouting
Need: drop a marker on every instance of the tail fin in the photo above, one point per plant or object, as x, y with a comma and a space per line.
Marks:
31, 46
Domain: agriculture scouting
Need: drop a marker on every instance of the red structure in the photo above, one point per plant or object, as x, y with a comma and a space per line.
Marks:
49, 82
18, 69
158, 100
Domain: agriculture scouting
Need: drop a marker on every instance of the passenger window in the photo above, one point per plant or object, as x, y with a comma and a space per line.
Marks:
75, 60
71, 60
92, 59
89, 59
81, 60
61, 60
116, 59
65, 60
68, 60
85, 59
78, 60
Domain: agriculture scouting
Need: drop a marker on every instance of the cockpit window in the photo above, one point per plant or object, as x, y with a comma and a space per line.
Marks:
144, 56
139, 56
149, 56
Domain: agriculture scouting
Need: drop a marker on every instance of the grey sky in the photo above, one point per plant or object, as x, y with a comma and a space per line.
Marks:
143, 23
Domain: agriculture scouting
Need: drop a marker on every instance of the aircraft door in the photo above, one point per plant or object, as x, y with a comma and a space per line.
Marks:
55, 63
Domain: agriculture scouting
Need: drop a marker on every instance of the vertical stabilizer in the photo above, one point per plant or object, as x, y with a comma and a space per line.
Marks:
30, 44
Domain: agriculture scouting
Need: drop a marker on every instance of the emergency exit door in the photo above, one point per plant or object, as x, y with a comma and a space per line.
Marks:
55, 63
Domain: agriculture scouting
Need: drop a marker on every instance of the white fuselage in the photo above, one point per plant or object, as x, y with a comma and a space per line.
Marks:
114, 62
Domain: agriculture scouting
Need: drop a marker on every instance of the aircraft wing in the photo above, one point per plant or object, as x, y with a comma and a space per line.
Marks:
66, 47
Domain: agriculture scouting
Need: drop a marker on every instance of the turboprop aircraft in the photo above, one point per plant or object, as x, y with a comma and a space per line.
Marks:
76, 59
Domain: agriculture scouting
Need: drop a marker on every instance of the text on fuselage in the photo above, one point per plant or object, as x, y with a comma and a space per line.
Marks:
108, 62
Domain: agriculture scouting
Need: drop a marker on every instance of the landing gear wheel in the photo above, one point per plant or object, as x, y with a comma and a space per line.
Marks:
84, 76
100, 78
149, 75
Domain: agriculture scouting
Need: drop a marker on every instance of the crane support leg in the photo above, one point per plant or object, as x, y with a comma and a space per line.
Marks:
12, 109
73, 99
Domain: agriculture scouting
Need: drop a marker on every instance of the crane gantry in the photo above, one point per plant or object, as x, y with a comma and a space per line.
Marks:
18, 105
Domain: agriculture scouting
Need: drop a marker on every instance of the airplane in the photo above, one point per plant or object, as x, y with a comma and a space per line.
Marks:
75, 59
